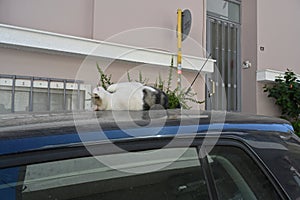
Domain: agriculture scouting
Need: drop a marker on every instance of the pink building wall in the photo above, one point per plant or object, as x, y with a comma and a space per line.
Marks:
101, 20
26, 63
271, 24
70, 17
249, 52
149, 24
278, 32
105, 20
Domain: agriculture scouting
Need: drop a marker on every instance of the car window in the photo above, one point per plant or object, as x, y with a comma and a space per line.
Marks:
285, 165
165, 174
238, 177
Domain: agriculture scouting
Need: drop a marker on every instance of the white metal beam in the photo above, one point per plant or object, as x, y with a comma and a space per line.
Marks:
269, 75
12, 36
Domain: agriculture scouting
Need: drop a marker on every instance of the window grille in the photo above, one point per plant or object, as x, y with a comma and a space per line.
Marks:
39, 94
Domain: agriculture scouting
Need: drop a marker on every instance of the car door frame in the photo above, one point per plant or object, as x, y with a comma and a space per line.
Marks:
201, 142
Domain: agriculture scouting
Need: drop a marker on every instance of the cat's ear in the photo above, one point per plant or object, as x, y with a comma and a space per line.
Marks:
146, 91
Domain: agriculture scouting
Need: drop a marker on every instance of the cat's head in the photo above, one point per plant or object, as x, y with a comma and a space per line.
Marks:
97, 97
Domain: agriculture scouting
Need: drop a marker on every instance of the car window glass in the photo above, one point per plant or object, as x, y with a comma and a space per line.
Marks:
168, 174
285, 165
237, 176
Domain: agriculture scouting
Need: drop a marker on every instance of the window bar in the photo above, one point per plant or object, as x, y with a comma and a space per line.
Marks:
235, 68
213, 52
238, 76
216, 99
31, 95
214, 56
208, 36
65, 96
229, 91
13, 94
49, 95
223, 90
78, 96
208, 87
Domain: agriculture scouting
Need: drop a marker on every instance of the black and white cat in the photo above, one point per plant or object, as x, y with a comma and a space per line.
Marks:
129, 96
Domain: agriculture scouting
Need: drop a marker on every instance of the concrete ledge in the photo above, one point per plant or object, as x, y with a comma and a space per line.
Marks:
35, 40
269, 75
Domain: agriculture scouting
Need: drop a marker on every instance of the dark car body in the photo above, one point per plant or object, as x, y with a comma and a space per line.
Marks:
148, 155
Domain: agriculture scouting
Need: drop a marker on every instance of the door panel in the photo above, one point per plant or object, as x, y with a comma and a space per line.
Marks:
222, 43
237, 176
168, 173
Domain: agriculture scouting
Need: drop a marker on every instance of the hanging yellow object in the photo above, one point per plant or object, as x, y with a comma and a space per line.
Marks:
179, 40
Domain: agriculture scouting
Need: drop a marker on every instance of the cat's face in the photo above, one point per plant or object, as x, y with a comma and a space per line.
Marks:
97, 98
97, 101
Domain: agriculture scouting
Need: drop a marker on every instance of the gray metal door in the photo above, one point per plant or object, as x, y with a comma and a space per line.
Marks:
223, 86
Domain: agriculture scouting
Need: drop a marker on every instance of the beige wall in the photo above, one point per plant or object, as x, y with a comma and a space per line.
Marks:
278, 32
39, 64
71, 17
63, 66
114, 21
129, 22
265, 105
66, 66
20, 62
105, 20
248, 52
150, 73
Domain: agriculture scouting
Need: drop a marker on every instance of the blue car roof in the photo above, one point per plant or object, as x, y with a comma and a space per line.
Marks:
27, 132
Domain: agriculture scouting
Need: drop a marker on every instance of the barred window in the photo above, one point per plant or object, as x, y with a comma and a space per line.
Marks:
37, 94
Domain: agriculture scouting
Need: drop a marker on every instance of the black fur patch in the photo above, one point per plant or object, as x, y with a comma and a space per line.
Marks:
152, 98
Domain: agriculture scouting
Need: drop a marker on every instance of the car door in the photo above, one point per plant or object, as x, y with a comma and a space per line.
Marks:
153, 168
237, 174
138, 170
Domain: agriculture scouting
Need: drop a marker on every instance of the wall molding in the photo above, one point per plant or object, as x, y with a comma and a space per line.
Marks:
269, 75
42, 41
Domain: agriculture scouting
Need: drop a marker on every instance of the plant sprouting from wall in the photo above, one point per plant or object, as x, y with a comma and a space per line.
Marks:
286, 92
105, 80
178, 98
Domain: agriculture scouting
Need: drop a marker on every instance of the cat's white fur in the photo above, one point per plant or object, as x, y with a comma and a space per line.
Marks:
121, 96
